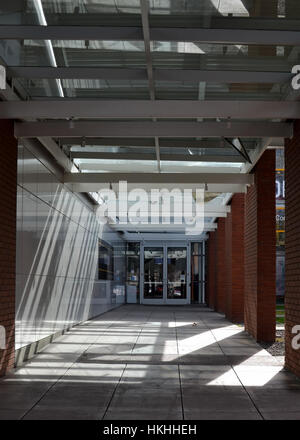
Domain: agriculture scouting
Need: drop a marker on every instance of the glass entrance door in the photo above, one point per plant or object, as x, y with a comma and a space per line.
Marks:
165, 275
177, 275
154, 274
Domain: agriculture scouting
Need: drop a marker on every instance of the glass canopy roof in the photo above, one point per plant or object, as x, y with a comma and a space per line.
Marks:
205, 12
150, 57
178, 56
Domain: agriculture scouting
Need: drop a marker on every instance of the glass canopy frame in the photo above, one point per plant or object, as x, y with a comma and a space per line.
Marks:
115, 51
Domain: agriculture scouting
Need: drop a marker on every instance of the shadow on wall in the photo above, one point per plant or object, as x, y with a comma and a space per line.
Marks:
57, 256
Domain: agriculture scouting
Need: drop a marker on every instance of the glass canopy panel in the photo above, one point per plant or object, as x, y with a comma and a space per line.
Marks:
219, 91
87, 88
149, 166
167, 145
196, 152
70, 53
194, 155
243, 14
72, 12
210, 10
167, 54
224, 57
130, 54
204, 7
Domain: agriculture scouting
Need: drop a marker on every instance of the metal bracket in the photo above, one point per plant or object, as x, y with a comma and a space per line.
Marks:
243, 152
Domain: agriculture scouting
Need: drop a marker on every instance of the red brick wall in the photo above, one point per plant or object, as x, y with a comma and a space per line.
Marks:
8, 189
228, 265
260, 251
234, 259
220, 267
292, 247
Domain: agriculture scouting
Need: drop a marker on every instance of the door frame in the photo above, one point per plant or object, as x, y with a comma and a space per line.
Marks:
165, 246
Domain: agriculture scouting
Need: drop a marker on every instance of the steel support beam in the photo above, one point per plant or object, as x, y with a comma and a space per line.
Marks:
160, 227
170, 236
146, 34
148, 156
152, 129
162, 178
223, 76
170, 19
148, 142
57, 153
134, 33
39, 72
141, 109
236, 143
207, 214
211, 187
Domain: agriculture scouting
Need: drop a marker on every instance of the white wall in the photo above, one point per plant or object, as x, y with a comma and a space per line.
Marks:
57, 256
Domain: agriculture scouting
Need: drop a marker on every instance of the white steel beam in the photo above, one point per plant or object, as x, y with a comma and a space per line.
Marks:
148, 142
159, 227
142, 109
135, 33
87, 155
146, 34
169, 236
192, 75
162, 178
152, 129
82, 187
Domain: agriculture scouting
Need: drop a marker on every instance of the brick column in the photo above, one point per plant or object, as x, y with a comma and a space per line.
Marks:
260, 251
234, 259
292, 248
8, 191
220, 267
211, 270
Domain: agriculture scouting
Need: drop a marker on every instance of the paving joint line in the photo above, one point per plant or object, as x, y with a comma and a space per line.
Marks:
243, 386
54, 383
121, 376
63, 375
178, 367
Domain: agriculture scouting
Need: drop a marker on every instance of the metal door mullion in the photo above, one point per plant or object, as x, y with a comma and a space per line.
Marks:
142, 275
188, 272
165, 274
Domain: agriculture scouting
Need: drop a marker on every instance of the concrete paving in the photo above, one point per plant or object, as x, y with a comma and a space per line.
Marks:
151, 362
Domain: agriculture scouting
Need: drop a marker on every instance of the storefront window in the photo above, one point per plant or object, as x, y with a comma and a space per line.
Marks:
106, 262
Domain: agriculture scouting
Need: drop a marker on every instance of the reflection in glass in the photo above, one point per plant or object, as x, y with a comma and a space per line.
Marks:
153, 273
177, 273
106, 262
133, 272
197, 273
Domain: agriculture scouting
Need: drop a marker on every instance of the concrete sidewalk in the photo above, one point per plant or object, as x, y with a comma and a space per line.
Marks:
144, 362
